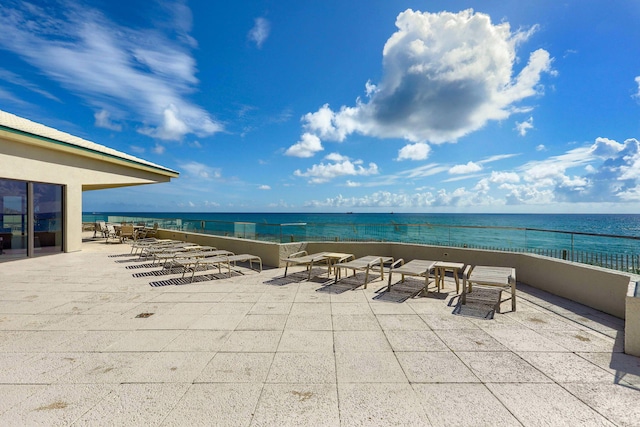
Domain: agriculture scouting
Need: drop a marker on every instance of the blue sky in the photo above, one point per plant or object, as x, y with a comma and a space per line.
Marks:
333, 106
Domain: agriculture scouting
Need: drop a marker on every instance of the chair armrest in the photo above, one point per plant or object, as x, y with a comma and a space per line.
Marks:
397, 263
467, 272
298, 254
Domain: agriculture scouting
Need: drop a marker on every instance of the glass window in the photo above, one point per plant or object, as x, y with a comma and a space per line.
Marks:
13, 219
47, 218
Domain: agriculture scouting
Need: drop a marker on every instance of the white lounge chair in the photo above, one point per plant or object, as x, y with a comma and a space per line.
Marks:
365, 263
415, 267
303, 258
502, 277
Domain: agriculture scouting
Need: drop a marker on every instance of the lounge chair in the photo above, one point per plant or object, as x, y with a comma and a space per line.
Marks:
141, 244
186, 258
171, 252
214, 261
156, 251
415, 267
502, 277
303, 258
365, 263
245, 258
218, 261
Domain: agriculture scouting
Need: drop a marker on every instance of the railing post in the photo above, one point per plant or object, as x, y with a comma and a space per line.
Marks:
572, 246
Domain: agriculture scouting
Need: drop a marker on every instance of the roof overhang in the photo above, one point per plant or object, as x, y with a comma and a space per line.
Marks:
28, 133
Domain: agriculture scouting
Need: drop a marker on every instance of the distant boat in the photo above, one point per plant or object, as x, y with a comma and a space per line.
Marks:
349, 213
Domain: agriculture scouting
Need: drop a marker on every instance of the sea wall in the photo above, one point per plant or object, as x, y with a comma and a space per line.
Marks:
602, 289
595, 287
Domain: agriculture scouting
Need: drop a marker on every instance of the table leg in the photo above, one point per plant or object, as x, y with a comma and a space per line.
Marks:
457, 279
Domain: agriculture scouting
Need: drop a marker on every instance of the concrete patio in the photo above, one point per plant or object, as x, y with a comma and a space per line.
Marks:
256, 350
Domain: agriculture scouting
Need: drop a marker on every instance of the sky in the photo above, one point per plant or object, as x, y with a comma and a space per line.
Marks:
341, 106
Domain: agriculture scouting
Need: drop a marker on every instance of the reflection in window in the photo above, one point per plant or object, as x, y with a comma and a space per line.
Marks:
47, 218
16, 221
13, 219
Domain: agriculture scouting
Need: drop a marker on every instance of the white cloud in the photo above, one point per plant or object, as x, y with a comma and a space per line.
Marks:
542, 171
605, 172
470, 167
103, 121
201, 171
629, 161
502, 177
496, 158
631, 194
264, 187
260, 31
336, 157
137, 149
386, 199
606, 148
322, 172
425, 170
137, 74
7, 96
158, 149
329, 125
541, 147
17, 80
308, 145
417, 151
350, 183
524, 127
444, 75
637, 79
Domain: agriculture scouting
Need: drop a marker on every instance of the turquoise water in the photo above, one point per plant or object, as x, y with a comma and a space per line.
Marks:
606, 240
500, 231
624, 225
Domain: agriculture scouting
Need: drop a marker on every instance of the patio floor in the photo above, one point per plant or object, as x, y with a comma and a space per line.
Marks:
84, 342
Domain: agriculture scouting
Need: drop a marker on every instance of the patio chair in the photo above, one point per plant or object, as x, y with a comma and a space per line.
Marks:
148, 232
502, 277
100, 228
127, 232
415, 267
112, 233
365, 263
97, 229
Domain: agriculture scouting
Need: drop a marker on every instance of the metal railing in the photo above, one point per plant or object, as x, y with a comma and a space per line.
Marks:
604, 250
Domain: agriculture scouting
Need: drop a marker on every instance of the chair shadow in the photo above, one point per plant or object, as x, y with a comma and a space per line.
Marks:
350, 283
299, 277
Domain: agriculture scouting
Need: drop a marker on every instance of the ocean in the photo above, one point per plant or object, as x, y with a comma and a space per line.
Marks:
613, 224
571, 232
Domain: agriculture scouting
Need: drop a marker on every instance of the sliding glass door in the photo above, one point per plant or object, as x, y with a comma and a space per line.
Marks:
31, 219
13, 220
47, 218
